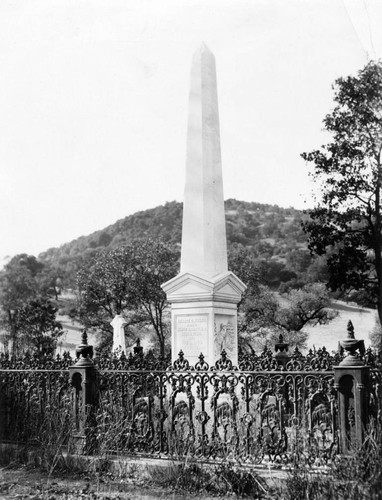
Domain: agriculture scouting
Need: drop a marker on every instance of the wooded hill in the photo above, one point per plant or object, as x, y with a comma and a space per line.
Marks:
272, 234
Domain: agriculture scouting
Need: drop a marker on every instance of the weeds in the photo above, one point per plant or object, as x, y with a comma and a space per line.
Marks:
218, 480
241, 482
183, 476
355, 477
302, 484
11, 456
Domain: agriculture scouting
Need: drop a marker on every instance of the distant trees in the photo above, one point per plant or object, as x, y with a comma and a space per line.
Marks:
268, 231
18, 281
24, 283
275, 272
268, 315
346, 224
242, 263
37, 327
126, 280
264, 314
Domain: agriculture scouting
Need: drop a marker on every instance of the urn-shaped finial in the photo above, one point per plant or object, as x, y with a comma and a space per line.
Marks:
349, 348
281, 349
350, 329
281, 346
84, 352
138, 349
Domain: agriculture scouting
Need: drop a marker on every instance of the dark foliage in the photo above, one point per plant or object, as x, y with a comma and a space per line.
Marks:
37, 327
346, 224
127, 280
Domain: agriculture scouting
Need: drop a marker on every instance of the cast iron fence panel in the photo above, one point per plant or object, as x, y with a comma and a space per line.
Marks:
35, 405
36, 361
219, 413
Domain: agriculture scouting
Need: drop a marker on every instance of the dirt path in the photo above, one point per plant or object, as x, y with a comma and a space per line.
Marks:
23, 483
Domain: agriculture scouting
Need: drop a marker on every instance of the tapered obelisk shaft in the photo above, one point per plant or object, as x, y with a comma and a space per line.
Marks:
204, 295
204, 246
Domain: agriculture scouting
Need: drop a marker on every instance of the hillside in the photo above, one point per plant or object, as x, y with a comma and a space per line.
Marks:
273, 234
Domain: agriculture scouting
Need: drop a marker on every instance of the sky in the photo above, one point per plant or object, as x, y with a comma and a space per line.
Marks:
94, 96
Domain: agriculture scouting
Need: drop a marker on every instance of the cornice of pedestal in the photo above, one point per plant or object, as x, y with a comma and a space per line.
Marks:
191, 287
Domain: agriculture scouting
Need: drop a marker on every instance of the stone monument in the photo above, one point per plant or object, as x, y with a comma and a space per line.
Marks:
204, 295
119, 343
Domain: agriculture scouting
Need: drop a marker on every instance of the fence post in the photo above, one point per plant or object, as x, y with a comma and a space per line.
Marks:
351, 378
83, 381
281, 349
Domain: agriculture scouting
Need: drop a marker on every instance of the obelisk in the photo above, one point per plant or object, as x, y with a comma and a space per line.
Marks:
204, 243
204, 295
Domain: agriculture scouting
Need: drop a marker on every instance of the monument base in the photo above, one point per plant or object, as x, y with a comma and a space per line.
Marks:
204, 316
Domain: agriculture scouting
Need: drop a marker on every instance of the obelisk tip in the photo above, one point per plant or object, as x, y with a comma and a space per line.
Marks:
203, 48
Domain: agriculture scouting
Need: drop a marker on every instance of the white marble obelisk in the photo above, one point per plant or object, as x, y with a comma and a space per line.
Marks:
204, 296
119, 342
204, 243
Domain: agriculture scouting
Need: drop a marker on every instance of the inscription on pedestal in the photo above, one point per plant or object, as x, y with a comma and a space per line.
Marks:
191, 333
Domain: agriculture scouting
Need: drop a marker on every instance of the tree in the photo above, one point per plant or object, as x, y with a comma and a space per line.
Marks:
22, 279
17, 285
50, 282
306, 306
268, 315
17, 280
265, 314
346, 222
105, 288
274, 273
158, 264
37, 326
242, 263
126, 280
299, 259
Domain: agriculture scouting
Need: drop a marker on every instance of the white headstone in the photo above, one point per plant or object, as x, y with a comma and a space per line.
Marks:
119, 342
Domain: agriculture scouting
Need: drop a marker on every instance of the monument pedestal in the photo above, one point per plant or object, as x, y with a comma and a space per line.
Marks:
204, 316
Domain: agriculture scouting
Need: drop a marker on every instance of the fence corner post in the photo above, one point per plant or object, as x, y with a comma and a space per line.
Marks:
83, 381
351, 378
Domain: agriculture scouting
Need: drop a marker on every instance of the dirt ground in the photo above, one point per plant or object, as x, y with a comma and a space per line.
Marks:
25, 483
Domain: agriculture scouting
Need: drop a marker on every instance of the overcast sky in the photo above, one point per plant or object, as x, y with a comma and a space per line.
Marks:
93, 103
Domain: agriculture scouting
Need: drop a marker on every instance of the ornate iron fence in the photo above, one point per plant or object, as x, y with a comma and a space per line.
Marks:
263, 411
35, 399
270, 409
